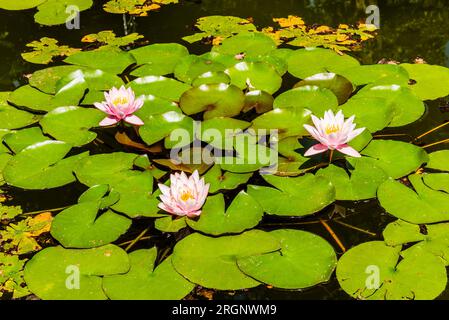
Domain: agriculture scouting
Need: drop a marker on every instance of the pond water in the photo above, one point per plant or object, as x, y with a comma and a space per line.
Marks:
409, 29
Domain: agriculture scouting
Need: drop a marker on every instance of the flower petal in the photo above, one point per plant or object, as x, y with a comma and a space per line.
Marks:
108, 121
348, 151
316, 149
135, 120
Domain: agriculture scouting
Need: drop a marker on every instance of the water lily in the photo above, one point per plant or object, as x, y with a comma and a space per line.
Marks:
333, 133
185, 196
120, 105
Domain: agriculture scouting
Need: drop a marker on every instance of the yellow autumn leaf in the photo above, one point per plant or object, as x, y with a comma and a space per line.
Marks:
290, 21
40, 224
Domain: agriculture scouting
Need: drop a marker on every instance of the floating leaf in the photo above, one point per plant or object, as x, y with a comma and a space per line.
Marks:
307, 62
396, 158
107, 60
9, 212
19, 140
252, 44
439, 160
221, 132
220, 180
170, 224
145, 281
361, 184
45, 50
13, 118
420, 206
259, 100
304, 260
219, 27
430, 82
11, 276
161, 87
288, 197
397, 278
218, 258
72, 124
135, 7
20, 5
42, 166
158, 59
191, 67
109, 41
377, 73
52, 274
244, 213
211, 78
54, 12
219, 100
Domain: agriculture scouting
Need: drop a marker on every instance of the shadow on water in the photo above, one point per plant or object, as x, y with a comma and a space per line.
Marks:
407, 30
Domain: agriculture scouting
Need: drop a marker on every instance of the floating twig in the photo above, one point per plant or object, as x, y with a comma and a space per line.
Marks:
133, 242
332, 233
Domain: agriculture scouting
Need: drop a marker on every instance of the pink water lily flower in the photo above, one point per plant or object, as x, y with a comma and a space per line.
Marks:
120, 105
185, 196
333, 133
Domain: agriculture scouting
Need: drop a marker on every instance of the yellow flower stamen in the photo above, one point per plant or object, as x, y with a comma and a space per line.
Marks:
186, 196
332, 129
120, 101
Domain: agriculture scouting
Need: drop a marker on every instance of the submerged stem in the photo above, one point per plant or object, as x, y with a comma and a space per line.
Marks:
436, 144
430, 131
137, 239
334, 236
42, 211
355, 228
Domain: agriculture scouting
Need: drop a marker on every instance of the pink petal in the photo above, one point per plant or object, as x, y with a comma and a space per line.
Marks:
316, 149
101, 107
134, 120
349, 151
108, 121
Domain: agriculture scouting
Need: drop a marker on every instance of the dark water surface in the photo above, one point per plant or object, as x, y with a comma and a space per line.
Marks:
408, 29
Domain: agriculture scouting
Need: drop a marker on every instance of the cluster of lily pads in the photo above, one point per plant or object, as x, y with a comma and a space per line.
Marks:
50, 132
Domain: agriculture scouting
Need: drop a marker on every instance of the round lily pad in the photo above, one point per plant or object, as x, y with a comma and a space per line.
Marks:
358, 269
211, 78
439, 160
217, 100
430, 81
20, 4
252, 44
220, 132
42, 166
72, 124
191, 67
170, 224
304, 63
111, 61
220, 180
243, 213
19, 140
161, 87
13, 118
384, 73
56, 273
218, 258
260, 100
304, 261
145, 281
288, 197
54, 12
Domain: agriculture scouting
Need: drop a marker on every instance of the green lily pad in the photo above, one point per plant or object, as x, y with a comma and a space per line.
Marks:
80, 227
31, 98
42, 166
288, 197
111, 61
170, 224
431, 81
191, 67
304, 63
291, 157
161, 87
220, 132
19, 140
252, 44
384, 73
218, 100
435, 240
437, 181
4, 158
218, 258
361, 184
158, 59
304, 261
340, 86
52, 273
220, 180
244, 213
288, 121
439, 160
72, 124
211, 77
145, 281
316, 99
13, 118
397, 281
260, 100
420, 206
255, 76
396, 158
53, 12
20, 4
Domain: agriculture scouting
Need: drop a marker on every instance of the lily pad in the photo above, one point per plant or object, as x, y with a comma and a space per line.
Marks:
19, 140
218, 100
161, 87
42, 166
252, 44
316, 99
72, 124
20, 4
340, 86
255, 76
244, 213
361, 184
220, 180
396, 158
191, 67
288, 197
431, 81
384, 73
259, 100
111, 61
420, 206
220, 132
211, 77
145, 281
170, 224
13, 118
304, 63
158, 59
218, 258
304, 261
52, 273
53, 12
397, 279
439, 160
